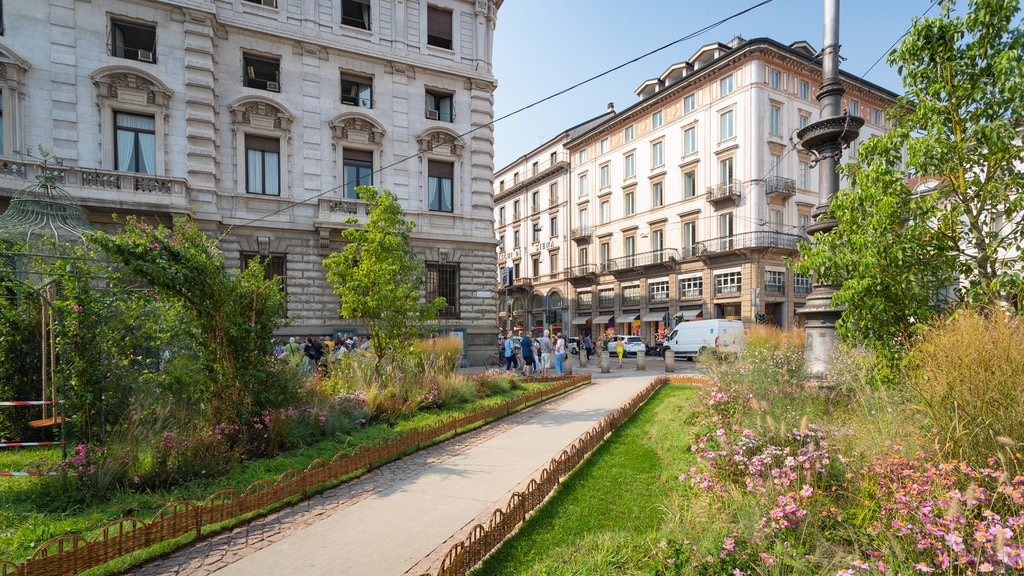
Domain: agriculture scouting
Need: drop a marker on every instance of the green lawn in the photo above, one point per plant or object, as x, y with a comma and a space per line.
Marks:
609, 514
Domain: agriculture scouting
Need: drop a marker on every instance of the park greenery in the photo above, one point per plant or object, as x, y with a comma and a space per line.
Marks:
901, 260
908, 472
380, 279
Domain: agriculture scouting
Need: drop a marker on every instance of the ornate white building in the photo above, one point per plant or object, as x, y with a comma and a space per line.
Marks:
259, 118
686, 204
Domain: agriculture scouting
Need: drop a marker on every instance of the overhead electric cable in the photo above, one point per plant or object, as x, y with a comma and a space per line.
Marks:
689, 36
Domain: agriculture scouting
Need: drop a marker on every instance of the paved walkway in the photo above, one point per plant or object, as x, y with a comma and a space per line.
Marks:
403, 518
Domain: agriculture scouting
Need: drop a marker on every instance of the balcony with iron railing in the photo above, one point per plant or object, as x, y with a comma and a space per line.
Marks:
726, 192
582, 275
764, 239
666, 257
779, 187
104, 188
581, 235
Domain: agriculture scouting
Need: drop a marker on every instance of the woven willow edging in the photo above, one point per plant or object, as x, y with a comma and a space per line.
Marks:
481, 541
72, 554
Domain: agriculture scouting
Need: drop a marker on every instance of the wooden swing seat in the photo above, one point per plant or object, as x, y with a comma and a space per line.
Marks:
46, 422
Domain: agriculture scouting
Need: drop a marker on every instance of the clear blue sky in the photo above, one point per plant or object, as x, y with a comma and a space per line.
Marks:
544, 46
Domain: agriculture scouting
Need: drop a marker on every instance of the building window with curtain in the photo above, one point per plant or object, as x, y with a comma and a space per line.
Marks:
689, 103
689, 239
657, 194
728, 283
443, 282
775, 282
439, 27
262, 165
657, 243
135, 137
440, 180
725, 126
356, 13
657, 154
691, 287
689, 184
631, 295
357, 170
690, 140
658, 291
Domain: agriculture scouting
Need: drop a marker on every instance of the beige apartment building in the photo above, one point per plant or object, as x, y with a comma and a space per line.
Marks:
687, 204
260, 118
531, 212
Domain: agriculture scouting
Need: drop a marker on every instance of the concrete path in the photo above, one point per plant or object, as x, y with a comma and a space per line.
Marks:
404, 517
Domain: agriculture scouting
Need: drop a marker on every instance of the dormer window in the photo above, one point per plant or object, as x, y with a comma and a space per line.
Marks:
262, 73
133, 41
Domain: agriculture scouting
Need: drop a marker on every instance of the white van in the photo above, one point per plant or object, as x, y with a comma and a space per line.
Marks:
689, 338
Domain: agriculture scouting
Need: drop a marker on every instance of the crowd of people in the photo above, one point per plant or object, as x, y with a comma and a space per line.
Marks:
311, 353
539, 355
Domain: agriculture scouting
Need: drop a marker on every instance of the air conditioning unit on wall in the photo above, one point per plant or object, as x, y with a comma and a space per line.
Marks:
432, 114
273, 86
145, 56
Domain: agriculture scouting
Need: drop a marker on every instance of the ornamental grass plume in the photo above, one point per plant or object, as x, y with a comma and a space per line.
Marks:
966, 375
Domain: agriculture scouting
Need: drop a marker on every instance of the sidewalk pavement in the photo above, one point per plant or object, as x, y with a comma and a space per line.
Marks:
403, 518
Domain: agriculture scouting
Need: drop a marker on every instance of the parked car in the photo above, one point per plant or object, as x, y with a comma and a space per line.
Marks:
630, 344
573, 345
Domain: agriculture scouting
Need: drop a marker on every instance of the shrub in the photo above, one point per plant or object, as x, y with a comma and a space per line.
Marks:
495, 381
91, 471
966, 374
180, 458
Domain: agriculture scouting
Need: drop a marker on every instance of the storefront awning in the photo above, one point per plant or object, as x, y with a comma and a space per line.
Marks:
654, 316
603, 320
580, 321
687, 314
626, 318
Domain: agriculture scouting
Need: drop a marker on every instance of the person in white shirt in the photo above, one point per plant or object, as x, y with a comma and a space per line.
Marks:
560, 354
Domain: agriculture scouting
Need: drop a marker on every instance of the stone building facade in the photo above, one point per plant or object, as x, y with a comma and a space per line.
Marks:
259, 118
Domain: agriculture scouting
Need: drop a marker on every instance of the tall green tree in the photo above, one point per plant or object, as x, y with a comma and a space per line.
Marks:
236, 313
958, 123
379, 278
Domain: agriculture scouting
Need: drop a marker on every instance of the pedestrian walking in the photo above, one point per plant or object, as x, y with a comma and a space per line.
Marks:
620, 350
559, 354
527, 345
547, 353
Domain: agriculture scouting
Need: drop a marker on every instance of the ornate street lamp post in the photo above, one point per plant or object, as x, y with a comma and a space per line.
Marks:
825, 140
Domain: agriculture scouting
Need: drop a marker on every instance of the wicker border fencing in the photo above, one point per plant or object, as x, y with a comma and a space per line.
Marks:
72, 554
464, 555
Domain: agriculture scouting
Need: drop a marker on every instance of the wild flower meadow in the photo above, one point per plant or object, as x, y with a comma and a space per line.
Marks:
806, 499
